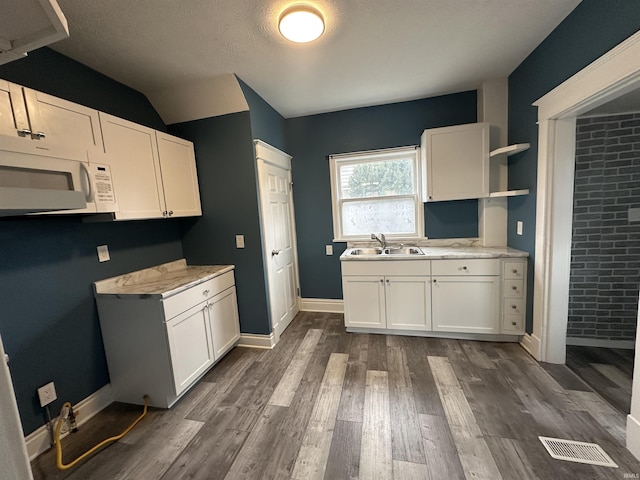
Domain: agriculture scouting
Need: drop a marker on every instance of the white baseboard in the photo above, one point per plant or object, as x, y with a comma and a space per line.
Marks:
321, 305
531, 344
601, 342
40, 440
257, 341
633, 436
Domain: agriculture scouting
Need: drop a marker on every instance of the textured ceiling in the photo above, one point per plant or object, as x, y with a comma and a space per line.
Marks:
373, 51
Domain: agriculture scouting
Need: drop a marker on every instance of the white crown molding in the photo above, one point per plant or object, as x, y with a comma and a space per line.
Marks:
591, 86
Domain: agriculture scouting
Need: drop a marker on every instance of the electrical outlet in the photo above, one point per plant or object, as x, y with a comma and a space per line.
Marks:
103, 253
328, 249
47, 394
239, 241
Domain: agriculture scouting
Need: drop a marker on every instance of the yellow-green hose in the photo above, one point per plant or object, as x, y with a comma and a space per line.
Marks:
109, 440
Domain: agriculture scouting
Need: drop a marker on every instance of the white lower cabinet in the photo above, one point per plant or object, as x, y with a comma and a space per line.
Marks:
466, 295
448, 296
224, 323
398, 297
408, 303
190, 345
161, 347
364, 305
514, 294
466, 305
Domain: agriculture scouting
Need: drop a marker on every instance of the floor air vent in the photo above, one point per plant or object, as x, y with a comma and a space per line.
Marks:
579, 452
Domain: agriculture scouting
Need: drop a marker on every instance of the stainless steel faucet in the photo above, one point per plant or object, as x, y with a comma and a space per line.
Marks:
380, 239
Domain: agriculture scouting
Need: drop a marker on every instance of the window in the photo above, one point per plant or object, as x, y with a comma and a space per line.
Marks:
376, 192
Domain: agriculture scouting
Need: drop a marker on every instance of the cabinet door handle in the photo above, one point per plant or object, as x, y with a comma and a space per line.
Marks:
514, 288
170, 212
464, 267
434, 280
381, 281
514, 307
24, 131
39, 134
515, 270
387, 280
206, 292
514, 323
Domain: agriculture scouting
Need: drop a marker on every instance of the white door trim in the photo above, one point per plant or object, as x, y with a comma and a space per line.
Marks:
267, 154
615, 73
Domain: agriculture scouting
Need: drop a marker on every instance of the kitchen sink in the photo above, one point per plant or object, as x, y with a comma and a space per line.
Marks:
403, 251
385, 251
366, 251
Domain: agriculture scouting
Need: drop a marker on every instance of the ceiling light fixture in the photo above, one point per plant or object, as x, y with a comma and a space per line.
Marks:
301, 23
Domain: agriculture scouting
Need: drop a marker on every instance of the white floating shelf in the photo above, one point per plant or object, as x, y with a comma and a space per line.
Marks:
510, 193
509, 149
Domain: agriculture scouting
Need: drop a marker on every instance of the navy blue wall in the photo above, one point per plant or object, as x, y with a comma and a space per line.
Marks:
51, 72
311, 139
229, 195
49, 322
591, 30
266, 123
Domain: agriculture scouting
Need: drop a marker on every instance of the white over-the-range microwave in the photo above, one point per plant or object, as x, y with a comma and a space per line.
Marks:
40, 178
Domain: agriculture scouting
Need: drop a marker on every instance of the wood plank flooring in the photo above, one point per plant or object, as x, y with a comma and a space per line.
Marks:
326, 404
608, 371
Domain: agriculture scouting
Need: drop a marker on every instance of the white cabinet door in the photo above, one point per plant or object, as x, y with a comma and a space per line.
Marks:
225, 324
408, 303
62, 122
190, 345
179, 177
465, 304
13, 112
132, 153
364, 302
457, 162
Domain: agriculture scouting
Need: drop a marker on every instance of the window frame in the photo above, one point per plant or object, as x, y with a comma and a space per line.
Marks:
368, 156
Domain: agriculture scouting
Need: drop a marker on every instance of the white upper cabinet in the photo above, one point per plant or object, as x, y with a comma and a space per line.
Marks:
132, 152
36, 116
29, 24
63, 122
179, 177
154, 173
455, 162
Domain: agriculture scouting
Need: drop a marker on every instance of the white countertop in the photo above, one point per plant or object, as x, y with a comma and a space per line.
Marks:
442, 252
160, 281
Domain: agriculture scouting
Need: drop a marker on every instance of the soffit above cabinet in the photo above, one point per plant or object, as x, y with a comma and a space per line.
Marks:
29, 24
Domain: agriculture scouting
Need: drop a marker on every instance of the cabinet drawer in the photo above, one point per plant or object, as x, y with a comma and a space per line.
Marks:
468, 266
182, 301
513, 288
513, 324
514, 270
513, 306
386, 267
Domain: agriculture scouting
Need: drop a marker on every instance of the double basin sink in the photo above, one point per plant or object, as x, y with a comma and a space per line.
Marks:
375, 251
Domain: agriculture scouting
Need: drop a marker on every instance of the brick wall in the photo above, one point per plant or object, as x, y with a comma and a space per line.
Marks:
605, 250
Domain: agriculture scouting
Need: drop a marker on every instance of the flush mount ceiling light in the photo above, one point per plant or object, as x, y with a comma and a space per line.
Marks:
301, 23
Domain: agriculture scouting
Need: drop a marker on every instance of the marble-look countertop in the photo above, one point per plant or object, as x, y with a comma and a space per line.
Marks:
443, 252
160, 281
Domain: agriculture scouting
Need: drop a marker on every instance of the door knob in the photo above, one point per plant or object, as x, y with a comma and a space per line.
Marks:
275, 252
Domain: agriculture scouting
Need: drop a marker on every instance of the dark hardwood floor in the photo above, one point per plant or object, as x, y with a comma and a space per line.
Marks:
327, 404
608, 371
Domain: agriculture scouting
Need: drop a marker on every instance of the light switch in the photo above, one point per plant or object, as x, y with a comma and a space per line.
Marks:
519, 227
239, 241
103, 253
328, 249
